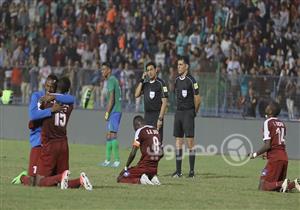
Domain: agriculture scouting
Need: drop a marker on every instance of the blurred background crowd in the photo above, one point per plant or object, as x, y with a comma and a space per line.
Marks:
242, 52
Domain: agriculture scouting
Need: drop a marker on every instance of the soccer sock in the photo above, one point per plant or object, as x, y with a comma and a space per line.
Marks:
74, 183
291, 185
25, 180
108, 150
178, 160
192, 158
115, 148
50, 181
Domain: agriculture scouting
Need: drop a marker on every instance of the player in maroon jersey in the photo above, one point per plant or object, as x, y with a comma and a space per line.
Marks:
273, 176
53, 164
146, 138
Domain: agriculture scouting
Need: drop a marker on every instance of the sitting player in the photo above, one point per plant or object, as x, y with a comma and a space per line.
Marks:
148, 139
273, 176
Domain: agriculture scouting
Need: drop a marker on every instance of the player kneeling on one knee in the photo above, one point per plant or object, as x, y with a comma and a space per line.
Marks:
146, 138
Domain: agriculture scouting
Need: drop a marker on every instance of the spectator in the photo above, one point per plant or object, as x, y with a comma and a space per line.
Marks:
262, 34
44, 72
290, 92
249, 103
33, 74
25, 85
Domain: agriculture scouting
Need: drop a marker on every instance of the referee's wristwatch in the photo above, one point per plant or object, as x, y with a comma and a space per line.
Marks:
161, 119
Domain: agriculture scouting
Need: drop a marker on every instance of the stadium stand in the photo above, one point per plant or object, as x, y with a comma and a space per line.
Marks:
242, 52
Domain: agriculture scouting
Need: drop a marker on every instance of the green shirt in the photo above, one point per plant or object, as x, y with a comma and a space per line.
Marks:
114, 86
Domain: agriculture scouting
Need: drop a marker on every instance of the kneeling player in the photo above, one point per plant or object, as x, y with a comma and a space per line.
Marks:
53, 162
54, 158
273, 176
146, 138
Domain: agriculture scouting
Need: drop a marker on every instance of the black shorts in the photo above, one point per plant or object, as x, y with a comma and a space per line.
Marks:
184, 124
151, 119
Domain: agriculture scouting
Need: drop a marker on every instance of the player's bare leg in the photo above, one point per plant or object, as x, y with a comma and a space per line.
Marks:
179, 145
192, 156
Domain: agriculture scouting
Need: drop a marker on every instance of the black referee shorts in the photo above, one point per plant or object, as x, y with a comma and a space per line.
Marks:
151, 119
184, 124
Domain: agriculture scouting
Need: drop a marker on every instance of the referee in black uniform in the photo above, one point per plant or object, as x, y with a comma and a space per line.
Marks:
188, 103
155, 97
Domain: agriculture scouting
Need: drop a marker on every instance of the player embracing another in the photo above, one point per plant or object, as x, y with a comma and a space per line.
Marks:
36, 115
273, 176
53, 161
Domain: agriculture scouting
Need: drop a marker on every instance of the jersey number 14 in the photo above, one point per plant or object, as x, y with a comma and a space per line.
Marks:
280, 133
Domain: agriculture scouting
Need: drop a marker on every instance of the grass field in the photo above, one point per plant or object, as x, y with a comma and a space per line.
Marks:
216, 185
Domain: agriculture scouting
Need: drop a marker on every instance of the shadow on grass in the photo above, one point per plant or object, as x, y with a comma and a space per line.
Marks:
217, 176
109, 187
210, 176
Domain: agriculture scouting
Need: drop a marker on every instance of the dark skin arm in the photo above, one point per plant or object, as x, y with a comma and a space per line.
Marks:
131, 157
266, 147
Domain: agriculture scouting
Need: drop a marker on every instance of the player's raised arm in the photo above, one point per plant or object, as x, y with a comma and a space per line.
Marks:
139, 87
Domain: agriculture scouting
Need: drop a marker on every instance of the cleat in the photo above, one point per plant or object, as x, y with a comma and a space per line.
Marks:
191, 174
17, 179
64, 180
284, 186
176, 175
105, 163
155, 180
145, 180
85, 182
115, 164
297, 184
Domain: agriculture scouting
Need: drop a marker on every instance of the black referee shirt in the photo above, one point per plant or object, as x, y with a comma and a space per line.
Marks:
185, 89
153, 92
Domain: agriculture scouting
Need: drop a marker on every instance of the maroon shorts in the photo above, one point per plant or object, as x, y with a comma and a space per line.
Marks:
54, 158
135, 173
274, 171
33, 160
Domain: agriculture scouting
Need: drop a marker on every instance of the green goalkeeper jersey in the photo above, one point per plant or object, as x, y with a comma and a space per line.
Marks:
114, 86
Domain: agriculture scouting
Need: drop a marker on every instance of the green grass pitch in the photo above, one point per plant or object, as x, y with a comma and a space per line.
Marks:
216, 185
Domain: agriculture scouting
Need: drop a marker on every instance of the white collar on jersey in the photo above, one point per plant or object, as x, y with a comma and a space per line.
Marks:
152, 81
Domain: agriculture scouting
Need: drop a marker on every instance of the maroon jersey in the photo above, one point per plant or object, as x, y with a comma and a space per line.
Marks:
150, 143
275, 131
55, 127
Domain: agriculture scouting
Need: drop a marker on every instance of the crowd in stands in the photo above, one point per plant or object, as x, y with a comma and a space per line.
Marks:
251, 46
